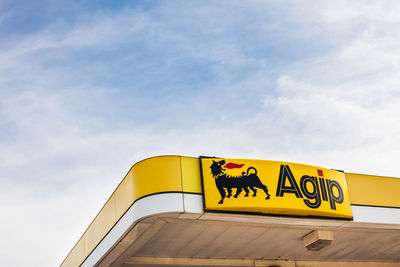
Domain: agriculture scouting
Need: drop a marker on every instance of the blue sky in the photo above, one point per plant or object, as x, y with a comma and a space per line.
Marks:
87, 88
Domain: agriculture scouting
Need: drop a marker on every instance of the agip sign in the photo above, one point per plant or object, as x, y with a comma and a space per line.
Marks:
274, 187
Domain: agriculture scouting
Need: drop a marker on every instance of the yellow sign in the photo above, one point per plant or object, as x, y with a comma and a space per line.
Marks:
273, 187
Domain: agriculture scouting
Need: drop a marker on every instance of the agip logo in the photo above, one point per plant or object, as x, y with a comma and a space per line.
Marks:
274, 187
326, 189
244, 181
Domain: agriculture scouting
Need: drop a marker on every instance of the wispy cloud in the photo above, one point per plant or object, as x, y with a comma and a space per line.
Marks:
83, 99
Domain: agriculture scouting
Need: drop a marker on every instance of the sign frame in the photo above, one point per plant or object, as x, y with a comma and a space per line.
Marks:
346, 217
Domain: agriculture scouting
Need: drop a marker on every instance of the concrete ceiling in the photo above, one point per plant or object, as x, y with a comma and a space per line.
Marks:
248, 240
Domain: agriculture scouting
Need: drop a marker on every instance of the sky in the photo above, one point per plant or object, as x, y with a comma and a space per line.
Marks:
88, 88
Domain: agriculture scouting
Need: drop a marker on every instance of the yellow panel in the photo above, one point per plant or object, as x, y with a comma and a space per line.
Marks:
373, 190
76, 255
191, 181
104, 221
156, 175
150, 176
125, 197
304, 190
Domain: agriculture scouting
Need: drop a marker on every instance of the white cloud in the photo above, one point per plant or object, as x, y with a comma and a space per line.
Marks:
311, 83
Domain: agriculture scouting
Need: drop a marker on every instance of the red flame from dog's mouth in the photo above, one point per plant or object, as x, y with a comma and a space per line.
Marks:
232, 165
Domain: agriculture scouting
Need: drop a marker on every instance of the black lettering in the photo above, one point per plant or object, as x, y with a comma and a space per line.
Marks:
323, 189
293, 188
332, 198
314, 194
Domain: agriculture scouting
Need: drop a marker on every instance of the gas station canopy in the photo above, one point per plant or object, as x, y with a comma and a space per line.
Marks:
185, 211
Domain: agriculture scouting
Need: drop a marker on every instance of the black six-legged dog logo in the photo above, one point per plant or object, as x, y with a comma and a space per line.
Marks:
247, 180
